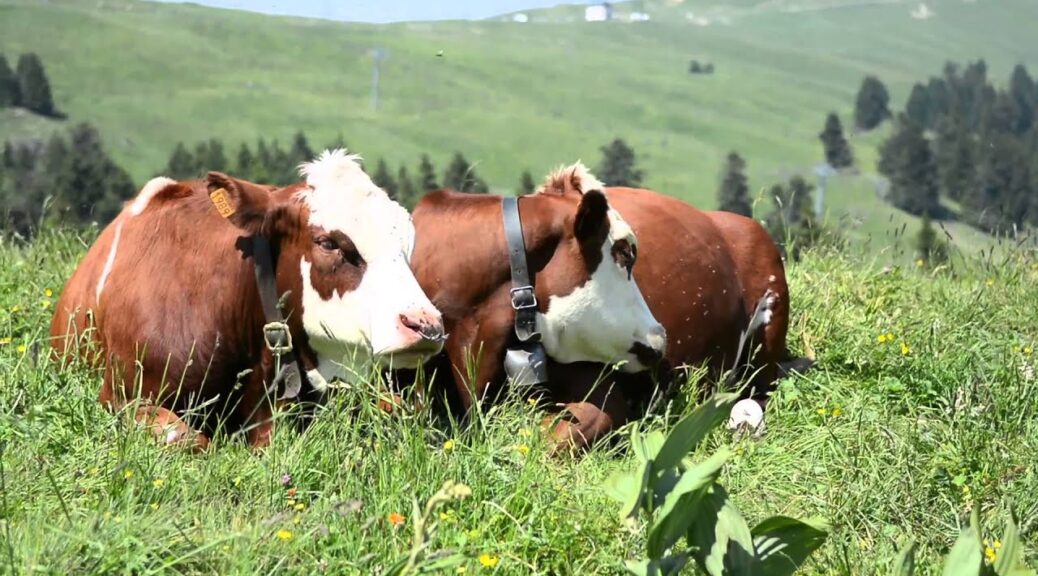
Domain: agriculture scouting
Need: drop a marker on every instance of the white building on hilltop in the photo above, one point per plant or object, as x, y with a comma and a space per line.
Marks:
599, 12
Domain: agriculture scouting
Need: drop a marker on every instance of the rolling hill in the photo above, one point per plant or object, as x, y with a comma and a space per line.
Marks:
514, 96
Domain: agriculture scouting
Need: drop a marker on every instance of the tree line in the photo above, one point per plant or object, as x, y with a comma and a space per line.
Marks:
26, 86
961, 138
70, 178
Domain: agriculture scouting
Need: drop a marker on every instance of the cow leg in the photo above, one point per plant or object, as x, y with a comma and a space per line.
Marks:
170, 429
590, 407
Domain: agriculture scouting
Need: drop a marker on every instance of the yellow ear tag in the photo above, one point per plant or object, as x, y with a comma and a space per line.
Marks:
222, 202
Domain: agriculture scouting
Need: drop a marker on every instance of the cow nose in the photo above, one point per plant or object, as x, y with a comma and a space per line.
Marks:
429, 326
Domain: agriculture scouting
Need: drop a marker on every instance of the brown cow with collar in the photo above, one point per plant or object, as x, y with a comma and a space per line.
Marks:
702, 275
580, 253
167, 299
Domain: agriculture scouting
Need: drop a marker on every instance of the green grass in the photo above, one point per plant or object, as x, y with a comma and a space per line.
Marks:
510, 96
883, 445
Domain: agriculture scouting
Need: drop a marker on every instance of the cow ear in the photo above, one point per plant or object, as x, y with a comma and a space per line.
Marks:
244, 204
592, 222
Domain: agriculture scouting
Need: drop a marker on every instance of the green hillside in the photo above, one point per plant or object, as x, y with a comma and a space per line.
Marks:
511, 96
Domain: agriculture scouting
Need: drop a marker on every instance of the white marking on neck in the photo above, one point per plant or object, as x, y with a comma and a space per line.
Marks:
153, 187
110, 262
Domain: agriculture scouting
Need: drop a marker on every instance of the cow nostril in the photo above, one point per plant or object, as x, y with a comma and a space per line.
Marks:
424, 325
411, 323
433, 331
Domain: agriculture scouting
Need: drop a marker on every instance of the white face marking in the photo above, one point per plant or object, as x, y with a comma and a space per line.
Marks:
153, 187
601, 320
110, 262
364, 323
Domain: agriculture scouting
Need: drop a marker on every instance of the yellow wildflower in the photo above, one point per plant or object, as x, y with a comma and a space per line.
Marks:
21, 348
837, 412
297, 519
449, 445
532, 401
291, 502
882, 338
1028, 351
127, 474
905, 350
5, 340
48, 293
450, 517
300, 506
821, 412
473, 533
990, 282
154, 505
890, 336
15, 308
284, 535
522, 449
488, 561
158, 482
919, 263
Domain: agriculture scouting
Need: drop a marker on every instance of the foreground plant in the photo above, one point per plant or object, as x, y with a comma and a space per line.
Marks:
683, 500
418, 561
972, 557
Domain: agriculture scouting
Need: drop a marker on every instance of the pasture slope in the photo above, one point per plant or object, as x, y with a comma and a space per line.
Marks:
517, 96
884, 440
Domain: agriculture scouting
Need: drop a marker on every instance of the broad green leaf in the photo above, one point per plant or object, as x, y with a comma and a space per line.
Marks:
675, 516
965, 557
719, 539
629, 488
1010, 558
638, 444
653, 441
904, 564
782, 544
669, 566
690, 431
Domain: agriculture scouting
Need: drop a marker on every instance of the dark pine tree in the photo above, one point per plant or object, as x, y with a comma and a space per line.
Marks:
182, 164
461, 176
792, 223
10, 90
918, 106
407, 195
245, 165
384, 180
1024, 93
734, 194
955, 158
618, 165
930, 248
96, 185
426, 175
872, 105
837, 150
526, 183
264, 171
210, 156
35, 87
339, 143
913, 184
301, 150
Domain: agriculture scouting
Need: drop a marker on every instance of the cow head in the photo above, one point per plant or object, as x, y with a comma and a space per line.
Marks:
344, 251
600, 315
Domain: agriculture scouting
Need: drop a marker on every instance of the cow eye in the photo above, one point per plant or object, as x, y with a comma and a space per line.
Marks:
327, 243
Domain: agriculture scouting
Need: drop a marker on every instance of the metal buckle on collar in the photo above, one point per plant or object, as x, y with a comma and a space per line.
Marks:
523, 298
277, 338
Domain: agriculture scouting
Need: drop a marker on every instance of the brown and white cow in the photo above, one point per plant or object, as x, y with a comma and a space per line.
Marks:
580, 253
167, 297
708, 277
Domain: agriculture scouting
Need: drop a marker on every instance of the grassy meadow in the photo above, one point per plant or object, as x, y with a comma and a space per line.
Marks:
514, 96
883, 440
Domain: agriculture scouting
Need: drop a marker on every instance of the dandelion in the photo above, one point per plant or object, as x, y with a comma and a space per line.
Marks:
284, 535
821, 411
300, 507
882, 338
127, 474
522, 449
158, 482
21, 348
489, 561
5, 340
890, 336
396, 518
837, 412
905, 350
448, 445
48, 293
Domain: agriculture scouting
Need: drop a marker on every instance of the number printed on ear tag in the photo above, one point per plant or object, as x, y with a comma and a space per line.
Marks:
222, 202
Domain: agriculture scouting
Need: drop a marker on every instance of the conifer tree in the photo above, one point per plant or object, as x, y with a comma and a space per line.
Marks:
837, 150
10, 90
384, 180
426, 175
461, 176
734, 194
618, 165
407, 195
35, 88
872, 106
526, 183
182, 165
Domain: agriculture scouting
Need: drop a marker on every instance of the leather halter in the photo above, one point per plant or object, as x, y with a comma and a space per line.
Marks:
276, 334
525, 364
